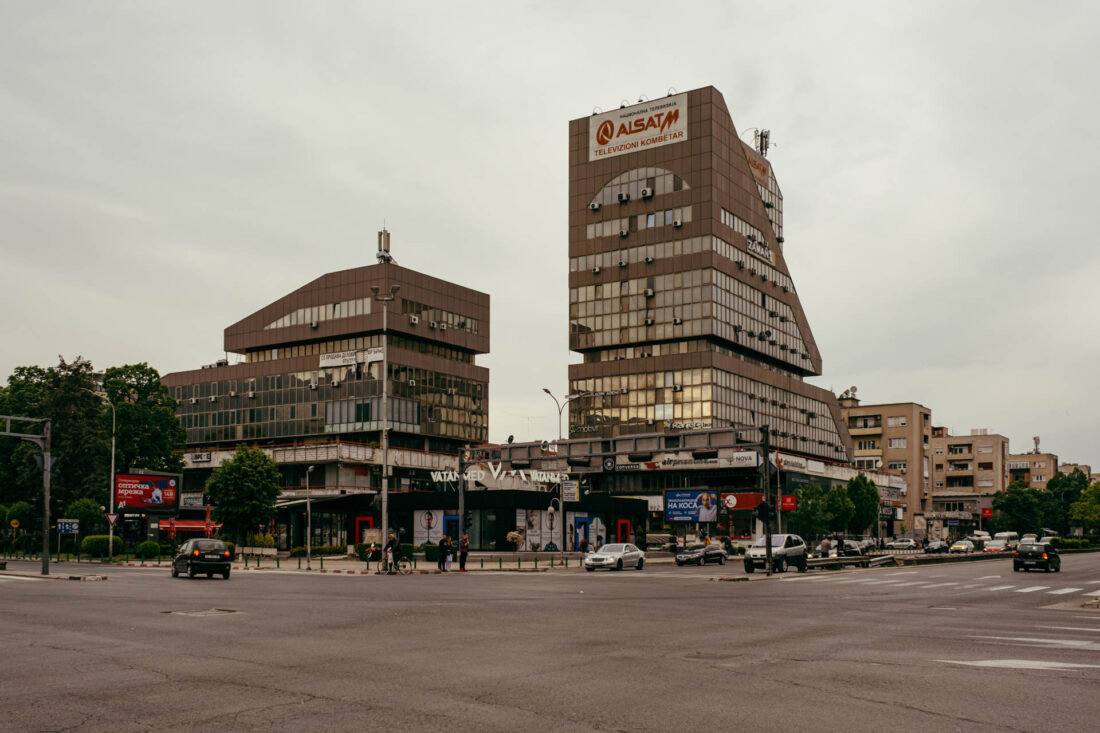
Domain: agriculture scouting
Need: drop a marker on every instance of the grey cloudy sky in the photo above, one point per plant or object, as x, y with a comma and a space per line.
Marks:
168, 168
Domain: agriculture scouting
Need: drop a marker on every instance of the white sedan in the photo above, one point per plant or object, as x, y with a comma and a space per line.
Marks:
615, 557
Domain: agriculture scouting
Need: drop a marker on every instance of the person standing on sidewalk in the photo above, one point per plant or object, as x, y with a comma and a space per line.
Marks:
441, 563
463, 551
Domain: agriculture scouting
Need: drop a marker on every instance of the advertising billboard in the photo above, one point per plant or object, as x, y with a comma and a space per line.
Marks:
147, 493
691, 505
638, 127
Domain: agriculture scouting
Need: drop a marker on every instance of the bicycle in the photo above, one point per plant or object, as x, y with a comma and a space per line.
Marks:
401, 567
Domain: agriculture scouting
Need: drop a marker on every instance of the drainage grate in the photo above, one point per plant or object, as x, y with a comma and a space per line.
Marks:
205, 612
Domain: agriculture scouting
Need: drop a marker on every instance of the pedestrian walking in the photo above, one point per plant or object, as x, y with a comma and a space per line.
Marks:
463, 551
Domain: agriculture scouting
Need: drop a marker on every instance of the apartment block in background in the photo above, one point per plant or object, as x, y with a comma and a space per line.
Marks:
1034, 469
896, 437
975, 463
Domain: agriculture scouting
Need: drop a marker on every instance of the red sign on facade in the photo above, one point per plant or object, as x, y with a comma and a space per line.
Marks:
738, 502
987, 513
788, 503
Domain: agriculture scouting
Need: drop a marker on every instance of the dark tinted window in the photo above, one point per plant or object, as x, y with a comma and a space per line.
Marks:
1031, 547
210, 545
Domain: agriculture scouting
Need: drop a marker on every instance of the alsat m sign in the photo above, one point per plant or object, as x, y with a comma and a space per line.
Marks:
639, 127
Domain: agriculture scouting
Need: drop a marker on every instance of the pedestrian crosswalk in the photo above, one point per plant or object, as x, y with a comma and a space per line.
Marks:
986, 583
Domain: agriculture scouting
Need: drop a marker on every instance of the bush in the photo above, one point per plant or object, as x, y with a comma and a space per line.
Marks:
260, 540
147, 550
96, 545
26, 542
1069, 543
431, 553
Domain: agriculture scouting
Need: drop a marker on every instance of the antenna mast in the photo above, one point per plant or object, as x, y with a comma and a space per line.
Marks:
384, 255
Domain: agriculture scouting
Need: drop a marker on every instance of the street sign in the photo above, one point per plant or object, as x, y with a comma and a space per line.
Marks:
111, 519
15, 524
68, 526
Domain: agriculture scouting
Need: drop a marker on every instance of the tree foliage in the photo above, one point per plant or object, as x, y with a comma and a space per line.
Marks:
90, 514
865, 502
1017, 509
244, 490
147, 433
1086, 510
839, 509
808, 518
1062, 492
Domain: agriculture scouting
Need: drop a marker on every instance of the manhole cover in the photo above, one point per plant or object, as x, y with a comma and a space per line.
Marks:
205, 612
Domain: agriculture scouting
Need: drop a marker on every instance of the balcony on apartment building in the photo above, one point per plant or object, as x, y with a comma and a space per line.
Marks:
865, 425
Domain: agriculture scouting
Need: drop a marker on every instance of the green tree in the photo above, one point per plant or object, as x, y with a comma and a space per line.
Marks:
865, 501
1086, 510
808, 518
19, 511
1016, 509
20, 478
1061, 493
839, 509
243, 490
147, 432
90, 514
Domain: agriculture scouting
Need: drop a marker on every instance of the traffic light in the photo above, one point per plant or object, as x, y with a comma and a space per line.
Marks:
763, 511
467, 520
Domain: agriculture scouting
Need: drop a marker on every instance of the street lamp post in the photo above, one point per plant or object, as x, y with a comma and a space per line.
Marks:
309, 518
110, 479
561, 510
385, 300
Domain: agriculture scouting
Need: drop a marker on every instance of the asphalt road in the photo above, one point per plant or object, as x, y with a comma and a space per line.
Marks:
961, 647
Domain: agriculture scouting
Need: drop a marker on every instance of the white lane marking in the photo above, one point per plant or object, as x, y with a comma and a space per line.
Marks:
1092, 582
1094, 593
1061, 591
939, 585
5, 578
1070, 628
1033, 588
911, 582
904, 572
1019, 664
882, 582
973, 585
988, 577
1082, 644
1001, 587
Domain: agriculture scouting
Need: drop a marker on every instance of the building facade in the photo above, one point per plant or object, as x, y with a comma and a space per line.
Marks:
894, 437
975, 463
309, 390
680, 300
1034, 469
1068, 468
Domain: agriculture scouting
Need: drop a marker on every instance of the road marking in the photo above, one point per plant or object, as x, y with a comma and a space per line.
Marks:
1033, 588
939, 585
5, 578
882, 582
1070, 628
1082, 644
911, 582
973, 585
1092, 582
1001, 587
988, 577
904, 572
1061, 591
1019, 664
1094, 593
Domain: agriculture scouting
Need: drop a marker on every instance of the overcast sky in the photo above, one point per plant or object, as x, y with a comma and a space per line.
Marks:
168, 168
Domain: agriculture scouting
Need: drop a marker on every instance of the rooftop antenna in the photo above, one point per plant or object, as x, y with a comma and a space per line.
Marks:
1036, 439
762, 140
384, 255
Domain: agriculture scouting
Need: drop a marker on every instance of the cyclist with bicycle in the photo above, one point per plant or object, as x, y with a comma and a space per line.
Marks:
391, 553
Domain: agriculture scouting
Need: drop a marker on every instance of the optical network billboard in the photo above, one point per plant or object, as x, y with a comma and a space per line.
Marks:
147, 493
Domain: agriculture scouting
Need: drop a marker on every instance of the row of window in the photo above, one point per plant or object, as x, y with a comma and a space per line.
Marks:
658, 181
676, 248
638, 222
439, 316
741, 226
359, 343
318, 313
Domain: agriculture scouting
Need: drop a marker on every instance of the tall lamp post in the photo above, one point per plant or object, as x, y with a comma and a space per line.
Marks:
561, 510
309, 518
111, 479
385, 300
561, 501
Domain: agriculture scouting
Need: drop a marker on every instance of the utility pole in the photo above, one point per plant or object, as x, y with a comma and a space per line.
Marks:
463, 464
764, 448
43, 442
385, 300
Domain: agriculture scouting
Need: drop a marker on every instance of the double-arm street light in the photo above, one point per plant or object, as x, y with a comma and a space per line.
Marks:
385, 300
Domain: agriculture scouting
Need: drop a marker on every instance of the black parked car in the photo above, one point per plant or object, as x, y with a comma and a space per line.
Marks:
702, 554
936, 547
202, 556
1034, 555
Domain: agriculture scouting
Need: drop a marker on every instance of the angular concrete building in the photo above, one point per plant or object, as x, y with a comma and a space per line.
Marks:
680, 299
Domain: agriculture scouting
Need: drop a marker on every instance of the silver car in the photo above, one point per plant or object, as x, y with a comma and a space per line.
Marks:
615, 557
